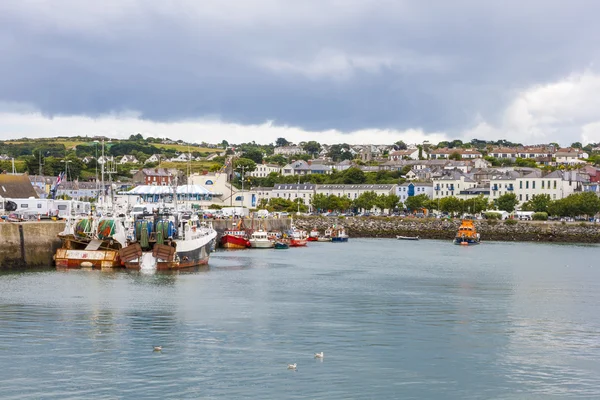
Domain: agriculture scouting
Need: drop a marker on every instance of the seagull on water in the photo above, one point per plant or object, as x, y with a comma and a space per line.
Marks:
292, 366
319, 355
157, 348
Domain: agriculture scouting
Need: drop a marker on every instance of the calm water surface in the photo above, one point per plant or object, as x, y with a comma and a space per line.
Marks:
395, 319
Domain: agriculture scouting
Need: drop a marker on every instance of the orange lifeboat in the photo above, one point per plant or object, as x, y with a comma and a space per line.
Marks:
467, 233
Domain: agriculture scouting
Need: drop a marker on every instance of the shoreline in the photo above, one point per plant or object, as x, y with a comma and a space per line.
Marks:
427, 228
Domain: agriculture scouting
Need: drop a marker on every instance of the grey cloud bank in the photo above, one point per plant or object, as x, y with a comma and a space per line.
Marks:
460, 68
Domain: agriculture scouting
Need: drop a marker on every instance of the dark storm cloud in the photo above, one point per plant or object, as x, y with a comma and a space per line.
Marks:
317, 65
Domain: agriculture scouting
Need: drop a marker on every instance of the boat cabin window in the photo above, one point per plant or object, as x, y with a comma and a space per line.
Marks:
24, 205
62, 207
39, 205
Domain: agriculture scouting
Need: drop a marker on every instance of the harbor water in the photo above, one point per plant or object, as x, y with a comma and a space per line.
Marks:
395, 319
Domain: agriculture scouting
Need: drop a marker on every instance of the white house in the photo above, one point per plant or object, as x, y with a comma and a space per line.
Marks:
409, 189
183, 157
153, 158
128, 159
451, 184
263, 170
412, 154
293, 191
570, 156
299, 167
557, 184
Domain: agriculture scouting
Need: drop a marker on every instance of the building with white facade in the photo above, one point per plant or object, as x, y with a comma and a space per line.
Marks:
451, 184
409, 154
263, 170
293, 191
557, 184
570, 156
409, 189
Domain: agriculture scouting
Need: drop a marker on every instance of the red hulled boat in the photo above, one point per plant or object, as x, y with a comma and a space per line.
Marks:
236, 237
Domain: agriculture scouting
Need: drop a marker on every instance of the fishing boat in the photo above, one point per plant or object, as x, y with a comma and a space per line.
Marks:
280, 245
326, 237
407, 237
297, 237
339, 235
467, 233
236, 237
313, 236
91, 242
260, 240
165, 241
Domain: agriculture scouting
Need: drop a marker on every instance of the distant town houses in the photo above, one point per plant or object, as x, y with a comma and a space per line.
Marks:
289, 150
445, 153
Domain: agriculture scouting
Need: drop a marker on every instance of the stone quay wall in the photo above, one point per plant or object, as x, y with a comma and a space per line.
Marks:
29, 244
425, 228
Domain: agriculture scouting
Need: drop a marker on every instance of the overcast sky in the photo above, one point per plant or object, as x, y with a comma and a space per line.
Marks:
329, 70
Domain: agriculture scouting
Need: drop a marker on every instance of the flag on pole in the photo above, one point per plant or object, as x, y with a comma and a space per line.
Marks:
59, 178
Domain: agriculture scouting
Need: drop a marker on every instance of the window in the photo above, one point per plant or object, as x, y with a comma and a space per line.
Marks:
62, 207
526, 184
554, 184
542, 184
520, 184
520, 197
39, 205
24, 205
527, 197
554, 196
533, 184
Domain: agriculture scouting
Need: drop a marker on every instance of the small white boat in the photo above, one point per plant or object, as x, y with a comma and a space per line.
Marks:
407, 237
260, 240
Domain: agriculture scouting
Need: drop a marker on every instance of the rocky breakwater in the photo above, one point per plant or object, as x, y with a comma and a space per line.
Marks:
425, 228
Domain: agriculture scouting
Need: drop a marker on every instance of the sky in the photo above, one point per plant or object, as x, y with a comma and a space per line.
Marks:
353, 71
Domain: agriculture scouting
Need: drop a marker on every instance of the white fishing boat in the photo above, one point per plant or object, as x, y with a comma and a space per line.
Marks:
260, 240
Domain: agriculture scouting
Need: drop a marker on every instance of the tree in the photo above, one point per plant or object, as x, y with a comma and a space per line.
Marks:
420, 152
576, 145
253, 154
366, 200
224, 144
278, 159
281, 142
476, 205
455, 156
451, 204
245, 163
400, 145
391, 201
320, 202
538, 203
414, 203
312, 147
354, 176
507, 202
456, 143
